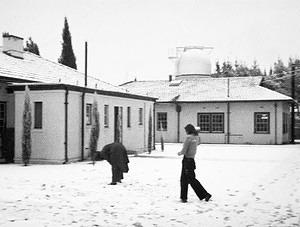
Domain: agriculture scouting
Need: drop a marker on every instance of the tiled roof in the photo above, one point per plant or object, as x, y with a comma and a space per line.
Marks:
206, 89
34, 68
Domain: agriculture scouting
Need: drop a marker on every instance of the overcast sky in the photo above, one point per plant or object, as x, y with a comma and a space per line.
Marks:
133, 38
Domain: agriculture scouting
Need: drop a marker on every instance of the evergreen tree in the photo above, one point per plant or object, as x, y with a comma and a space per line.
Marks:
279, 68
218, 68
255, 70
270, 71
26, 136
227, 69
241, 70
67, 55
94, 130
150, 138
32, 47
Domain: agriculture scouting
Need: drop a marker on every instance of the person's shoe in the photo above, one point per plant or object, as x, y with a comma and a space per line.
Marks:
183, 200
112, 183
119, 181
207, 197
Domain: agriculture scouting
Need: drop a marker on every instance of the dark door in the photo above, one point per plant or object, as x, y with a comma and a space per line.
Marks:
118, 123
2, 125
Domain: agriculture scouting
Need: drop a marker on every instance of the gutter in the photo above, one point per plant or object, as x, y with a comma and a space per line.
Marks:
66, 125
228, 123
82, 125
154, 120
178, 110
275, 109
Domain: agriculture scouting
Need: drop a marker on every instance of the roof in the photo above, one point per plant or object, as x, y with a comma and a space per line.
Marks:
34, 68
206, 89
60, 86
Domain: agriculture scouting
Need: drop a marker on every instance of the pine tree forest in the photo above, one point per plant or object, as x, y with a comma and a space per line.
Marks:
278, 77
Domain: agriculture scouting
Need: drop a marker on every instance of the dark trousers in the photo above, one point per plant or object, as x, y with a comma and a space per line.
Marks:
188, 177
117, 174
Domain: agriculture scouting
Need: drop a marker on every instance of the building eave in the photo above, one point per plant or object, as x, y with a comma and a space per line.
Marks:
46, 86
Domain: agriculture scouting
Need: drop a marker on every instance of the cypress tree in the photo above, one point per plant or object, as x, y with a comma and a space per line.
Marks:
150, 132
94, 131
32, 47
26, 137
67, 55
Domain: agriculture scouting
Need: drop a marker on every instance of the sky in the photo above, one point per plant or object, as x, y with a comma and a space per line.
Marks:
130, 39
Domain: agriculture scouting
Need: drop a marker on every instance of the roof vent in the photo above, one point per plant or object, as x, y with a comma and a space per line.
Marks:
175, 83
13, 45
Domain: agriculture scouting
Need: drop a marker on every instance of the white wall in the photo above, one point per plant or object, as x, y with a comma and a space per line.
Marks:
170, 135
135, 138
48, 142
241, 122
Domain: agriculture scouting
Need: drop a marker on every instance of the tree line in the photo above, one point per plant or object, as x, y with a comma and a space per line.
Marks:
278, 78
67, 56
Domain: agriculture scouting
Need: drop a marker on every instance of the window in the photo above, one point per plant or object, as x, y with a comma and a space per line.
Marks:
211, 122
106, 116
140, 116
38, 115
162, 123
88, 114
262, 122
128, 117
2, 116
285, 123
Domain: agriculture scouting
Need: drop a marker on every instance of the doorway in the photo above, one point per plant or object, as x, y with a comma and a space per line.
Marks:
2, 126
118, 124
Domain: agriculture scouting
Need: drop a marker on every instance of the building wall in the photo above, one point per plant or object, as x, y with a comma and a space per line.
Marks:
241, 122
286, 109
48, 142
9, 100
170, 135
135, 138
74, 126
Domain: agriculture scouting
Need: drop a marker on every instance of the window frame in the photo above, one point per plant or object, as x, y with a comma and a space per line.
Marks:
209, 124
88, 114
106, 116
267, 123
140, 116
162, 122
128, 117
38, 122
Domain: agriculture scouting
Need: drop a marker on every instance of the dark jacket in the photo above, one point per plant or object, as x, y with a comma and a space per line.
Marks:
116, 155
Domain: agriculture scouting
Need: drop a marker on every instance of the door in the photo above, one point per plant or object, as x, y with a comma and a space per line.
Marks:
2, 126
118, 124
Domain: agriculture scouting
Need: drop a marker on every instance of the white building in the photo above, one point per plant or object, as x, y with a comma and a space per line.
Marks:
228, 110
61, 109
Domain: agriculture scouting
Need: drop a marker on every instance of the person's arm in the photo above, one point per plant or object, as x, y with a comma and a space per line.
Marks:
199, 141
185, 147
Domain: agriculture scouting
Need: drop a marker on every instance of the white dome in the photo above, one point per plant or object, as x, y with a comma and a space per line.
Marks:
194, 61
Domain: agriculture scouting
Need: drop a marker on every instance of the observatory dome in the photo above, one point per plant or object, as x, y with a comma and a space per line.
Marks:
193, 61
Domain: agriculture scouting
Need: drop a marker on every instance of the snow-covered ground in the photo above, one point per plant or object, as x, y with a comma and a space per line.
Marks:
251, 186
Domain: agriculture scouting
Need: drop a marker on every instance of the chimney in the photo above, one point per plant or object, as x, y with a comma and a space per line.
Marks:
13, 45
170, 78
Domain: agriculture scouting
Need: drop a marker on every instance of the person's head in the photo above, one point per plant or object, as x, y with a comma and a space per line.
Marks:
190, 130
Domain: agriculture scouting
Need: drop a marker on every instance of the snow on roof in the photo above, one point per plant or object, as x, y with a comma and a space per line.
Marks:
34, 68
206, 89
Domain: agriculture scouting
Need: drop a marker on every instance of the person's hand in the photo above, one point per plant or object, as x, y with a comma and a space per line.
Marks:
178, 153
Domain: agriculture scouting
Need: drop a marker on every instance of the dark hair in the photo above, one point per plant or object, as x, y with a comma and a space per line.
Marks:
190, 129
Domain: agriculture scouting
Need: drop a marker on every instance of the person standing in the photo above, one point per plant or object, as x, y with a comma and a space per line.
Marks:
116, 155
188, 166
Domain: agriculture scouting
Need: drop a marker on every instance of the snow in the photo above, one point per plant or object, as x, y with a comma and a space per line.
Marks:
251, 185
